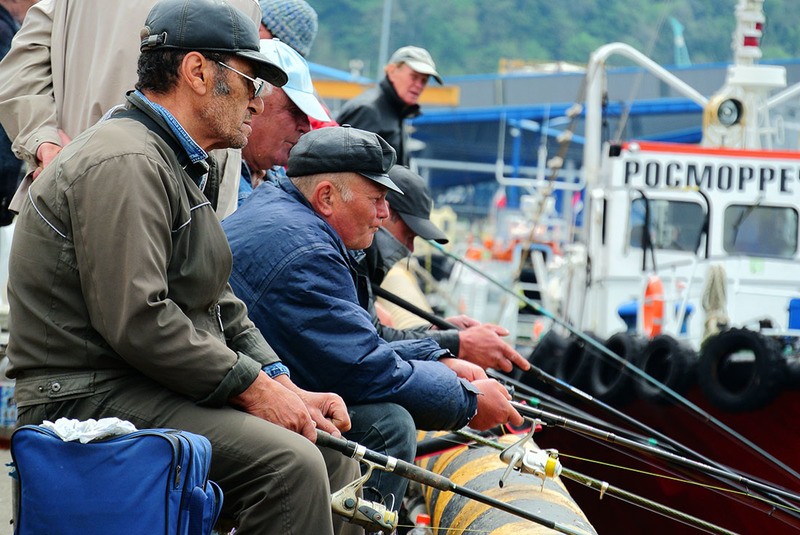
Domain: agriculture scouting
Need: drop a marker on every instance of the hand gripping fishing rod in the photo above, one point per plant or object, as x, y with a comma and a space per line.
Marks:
556, 420
431, 479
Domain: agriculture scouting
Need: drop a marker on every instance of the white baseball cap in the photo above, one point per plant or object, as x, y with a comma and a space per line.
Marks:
299, 87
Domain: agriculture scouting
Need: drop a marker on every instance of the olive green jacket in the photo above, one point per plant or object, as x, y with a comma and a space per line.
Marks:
119, 266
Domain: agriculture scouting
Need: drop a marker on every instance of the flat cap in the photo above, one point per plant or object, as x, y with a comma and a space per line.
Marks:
414, 206
418, 59
343, 149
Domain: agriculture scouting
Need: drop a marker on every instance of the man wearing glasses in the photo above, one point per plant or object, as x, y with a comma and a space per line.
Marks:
118, 281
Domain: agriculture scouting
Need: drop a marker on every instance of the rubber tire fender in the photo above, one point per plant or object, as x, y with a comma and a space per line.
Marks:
737, 386
670, 361
575, 364
610, 380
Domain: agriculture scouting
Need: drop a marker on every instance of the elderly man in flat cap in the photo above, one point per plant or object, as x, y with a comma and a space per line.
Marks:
409, 217
287, 112
118, 287
385, 108
291, 244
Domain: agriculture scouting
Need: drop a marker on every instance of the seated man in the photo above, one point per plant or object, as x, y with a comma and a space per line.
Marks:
119, 301
409, 217
286, 117
292, 268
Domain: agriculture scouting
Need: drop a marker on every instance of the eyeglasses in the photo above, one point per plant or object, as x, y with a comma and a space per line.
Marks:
258, 84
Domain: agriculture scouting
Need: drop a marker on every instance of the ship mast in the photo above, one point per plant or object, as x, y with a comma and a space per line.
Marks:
736, 116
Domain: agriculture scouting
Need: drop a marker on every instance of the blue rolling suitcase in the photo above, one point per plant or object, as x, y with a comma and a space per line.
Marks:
151, 481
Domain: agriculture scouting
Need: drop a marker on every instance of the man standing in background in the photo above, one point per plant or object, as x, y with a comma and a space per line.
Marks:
383, 109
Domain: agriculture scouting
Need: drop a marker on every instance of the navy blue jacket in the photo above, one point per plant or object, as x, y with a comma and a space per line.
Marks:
296, 277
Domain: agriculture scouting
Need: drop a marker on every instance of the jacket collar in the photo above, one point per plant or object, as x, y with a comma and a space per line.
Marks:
403, 109
153, 120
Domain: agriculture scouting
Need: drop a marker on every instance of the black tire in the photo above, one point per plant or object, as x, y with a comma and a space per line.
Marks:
610, 380
575, 364
670, 362
548, 352
740, 370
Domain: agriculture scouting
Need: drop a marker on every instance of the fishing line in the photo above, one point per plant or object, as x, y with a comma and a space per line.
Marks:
605, 489
441, 323
681, 480
697, 411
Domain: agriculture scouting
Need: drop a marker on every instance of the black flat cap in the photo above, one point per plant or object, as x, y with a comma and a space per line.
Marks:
414, 206
208, 25
343, 149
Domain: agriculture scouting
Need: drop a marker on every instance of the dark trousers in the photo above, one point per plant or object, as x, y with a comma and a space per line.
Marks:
389, 429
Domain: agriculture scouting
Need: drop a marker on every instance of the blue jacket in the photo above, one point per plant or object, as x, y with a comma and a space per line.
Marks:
295, 275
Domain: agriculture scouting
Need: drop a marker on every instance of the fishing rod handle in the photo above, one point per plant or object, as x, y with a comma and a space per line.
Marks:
385, 462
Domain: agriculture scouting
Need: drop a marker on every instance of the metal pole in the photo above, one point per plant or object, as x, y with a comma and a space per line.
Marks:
386, 27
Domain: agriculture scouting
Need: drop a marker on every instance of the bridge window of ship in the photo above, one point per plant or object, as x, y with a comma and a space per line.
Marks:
760, 230
674, 225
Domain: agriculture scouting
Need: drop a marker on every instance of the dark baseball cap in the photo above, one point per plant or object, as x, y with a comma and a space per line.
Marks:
414, 206
343, 149
208, 25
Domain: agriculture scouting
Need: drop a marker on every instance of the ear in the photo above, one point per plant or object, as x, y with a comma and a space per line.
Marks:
323, 198
198, 72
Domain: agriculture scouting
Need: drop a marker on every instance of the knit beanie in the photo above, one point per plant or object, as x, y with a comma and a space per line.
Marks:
292, 21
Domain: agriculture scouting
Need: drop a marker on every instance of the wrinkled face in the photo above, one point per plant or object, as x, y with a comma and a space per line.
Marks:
407, 82
275, 131
229, 113
357, 216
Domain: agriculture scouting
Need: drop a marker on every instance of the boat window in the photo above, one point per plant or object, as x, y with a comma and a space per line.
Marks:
674, 225
760, 230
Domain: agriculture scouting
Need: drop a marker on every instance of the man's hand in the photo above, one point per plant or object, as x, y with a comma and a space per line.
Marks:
326, 409
465, 370
462, 321
270, 400
482, 345
47, 151
493, 406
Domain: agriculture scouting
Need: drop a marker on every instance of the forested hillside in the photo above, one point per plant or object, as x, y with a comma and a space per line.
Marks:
472, 36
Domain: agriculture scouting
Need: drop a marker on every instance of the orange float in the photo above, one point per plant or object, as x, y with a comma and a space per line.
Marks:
653, 307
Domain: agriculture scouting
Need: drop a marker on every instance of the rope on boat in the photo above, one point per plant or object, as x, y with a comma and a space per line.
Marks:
715, 300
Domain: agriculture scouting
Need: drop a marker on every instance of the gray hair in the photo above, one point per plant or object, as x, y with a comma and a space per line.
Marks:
341, 181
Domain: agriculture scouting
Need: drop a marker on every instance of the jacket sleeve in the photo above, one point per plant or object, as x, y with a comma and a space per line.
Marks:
27, 102
241, 334
309, 312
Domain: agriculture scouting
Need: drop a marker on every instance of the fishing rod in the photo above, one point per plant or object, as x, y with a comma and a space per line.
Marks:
433, 319
560, 421
699, 412
564, 386
432, 479
551, 380
603, 487
657, 438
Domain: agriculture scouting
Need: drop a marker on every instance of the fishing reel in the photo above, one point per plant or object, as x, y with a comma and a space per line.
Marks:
373, 516
541, 463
